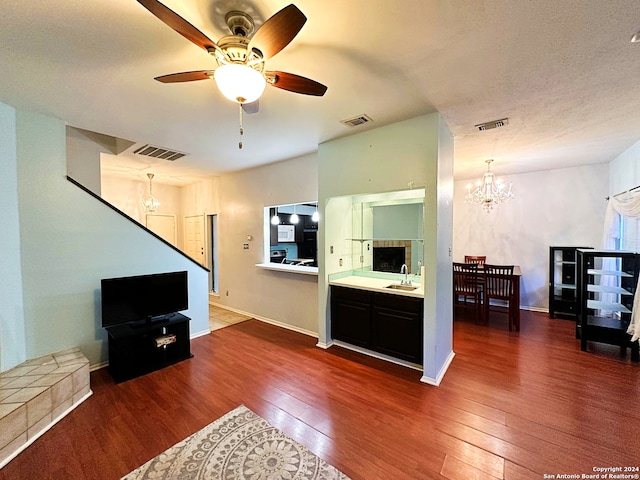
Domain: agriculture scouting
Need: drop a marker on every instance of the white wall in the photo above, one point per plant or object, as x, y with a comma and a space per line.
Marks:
624, 171
563, 207
68, 242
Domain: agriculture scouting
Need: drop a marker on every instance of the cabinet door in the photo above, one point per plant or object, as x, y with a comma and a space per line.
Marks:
397, 333
350, 321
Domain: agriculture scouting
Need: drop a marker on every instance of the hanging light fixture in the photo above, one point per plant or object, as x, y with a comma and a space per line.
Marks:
294, 218
149, 202
489, 191
275, 220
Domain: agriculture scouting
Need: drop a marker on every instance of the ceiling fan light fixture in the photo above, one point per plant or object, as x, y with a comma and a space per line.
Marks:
240, 83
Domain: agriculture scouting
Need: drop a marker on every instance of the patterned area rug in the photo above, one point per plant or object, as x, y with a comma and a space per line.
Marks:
240, 445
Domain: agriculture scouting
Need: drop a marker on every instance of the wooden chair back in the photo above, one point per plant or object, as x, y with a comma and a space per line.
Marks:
465, 278
498, 281
478, 259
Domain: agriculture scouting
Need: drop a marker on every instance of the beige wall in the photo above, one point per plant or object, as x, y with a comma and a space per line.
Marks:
238, 199
126, 194
282, 297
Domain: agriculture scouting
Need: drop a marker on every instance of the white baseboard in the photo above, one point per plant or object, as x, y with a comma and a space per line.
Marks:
436, 381
270, 321
200, 334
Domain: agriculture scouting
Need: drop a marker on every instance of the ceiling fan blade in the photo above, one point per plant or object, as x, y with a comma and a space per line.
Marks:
179, 24
278, 31
297, 84
250, 108
185, 76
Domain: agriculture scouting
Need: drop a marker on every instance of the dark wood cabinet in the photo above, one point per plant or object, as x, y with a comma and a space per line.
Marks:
607, 281
385, 323
563, 276
397, 326
137, 349
351, 315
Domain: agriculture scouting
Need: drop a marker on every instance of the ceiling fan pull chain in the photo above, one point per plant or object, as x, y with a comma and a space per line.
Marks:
241, 129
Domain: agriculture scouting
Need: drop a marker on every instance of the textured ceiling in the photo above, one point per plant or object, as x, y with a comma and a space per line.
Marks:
563, 72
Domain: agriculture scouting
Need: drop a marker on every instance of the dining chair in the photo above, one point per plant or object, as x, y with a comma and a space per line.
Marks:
466, 284
479, 259
498, 285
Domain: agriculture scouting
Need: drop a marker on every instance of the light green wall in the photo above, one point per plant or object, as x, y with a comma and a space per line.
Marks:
12, 333
68, 242
392, 158
443, 341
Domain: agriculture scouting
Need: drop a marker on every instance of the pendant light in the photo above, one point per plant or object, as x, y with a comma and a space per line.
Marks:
275, 220
149, 202
294, 218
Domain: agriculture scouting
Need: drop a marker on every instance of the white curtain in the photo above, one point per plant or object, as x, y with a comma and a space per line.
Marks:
627, 206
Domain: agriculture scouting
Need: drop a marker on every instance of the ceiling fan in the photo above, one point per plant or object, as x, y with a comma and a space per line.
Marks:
241, 75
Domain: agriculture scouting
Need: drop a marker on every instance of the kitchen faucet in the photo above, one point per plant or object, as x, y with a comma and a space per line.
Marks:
404, 270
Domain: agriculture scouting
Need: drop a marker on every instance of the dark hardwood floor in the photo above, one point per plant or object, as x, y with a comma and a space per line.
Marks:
512, 405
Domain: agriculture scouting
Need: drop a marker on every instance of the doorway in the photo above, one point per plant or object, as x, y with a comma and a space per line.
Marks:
194, 238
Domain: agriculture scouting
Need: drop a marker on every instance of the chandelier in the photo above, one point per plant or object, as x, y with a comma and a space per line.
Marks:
489, 191
149, 202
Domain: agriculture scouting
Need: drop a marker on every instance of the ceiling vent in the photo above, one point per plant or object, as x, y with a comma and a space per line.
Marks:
159, 152
495, 124
355, 121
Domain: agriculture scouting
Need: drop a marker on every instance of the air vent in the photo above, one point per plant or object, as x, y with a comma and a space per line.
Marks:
355, 121
495, 124
159, 152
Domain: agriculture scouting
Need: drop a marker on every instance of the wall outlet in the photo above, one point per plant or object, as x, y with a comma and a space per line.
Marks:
245, 246
331, 249
340, 262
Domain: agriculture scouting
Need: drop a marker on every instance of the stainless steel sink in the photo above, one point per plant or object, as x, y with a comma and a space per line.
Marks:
395, 286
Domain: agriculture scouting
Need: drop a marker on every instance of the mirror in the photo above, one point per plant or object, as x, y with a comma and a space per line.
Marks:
293, 232
388, 231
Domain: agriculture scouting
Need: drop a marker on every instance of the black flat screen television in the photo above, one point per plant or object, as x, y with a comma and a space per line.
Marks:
143, 297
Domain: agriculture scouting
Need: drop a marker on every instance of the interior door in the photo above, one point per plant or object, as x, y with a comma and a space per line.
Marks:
194, 238
164, 226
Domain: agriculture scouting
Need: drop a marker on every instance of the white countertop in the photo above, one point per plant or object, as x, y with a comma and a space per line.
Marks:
281, 267
377, 285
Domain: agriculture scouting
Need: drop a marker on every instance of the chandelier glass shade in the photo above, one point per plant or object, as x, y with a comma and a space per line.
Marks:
240, 83
149, 202
489, 191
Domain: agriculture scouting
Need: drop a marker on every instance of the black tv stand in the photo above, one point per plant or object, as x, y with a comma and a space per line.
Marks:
143, 347
155, 321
